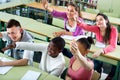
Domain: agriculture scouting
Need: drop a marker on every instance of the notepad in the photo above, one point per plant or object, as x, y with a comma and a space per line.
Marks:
73, 37
5, 69
31, 75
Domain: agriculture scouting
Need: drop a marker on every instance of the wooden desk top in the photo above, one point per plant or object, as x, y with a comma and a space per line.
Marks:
114, 55
10, 5
85, 15
17, 72
31, 25
40, 6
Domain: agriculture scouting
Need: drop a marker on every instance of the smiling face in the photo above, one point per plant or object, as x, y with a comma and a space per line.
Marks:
101, 22
14, 33
71, 12
53, 51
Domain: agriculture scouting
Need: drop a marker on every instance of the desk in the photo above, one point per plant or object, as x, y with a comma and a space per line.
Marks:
111, 58
38, 7
31, 25
16, 73
85, 15
12, 5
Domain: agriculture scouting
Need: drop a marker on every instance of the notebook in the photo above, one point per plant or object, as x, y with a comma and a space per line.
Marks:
31, 75
73, 37
4, 69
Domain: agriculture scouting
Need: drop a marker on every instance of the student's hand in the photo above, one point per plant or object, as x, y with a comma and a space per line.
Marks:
60, 33
45, 4
97, 53
13, 45
1, 63
74, 48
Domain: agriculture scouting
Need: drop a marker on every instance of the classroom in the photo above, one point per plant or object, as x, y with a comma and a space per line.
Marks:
59, 40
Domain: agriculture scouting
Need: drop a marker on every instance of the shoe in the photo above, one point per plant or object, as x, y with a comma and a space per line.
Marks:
118, 43
109, 78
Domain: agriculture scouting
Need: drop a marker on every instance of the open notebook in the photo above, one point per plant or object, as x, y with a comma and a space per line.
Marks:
31, 75
4, 69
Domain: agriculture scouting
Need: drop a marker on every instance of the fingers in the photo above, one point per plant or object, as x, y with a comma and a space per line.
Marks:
73, 47
56, 34
95, 55
45, 4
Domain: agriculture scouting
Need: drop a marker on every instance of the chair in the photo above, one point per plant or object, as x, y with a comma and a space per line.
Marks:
95, 75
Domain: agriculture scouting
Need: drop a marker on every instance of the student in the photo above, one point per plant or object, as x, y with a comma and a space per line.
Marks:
70, 24
81, 68
52, 60
15, 33
105, 33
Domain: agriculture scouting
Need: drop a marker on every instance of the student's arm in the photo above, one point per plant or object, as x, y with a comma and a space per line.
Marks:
21, 62
111, 46
74, 49
31, 46
60, 33
88, 27
88, 65
4, 36
52, 11
1, 35
29, 56
113, 41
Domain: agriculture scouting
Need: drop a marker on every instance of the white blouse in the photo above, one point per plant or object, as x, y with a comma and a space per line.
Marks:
71, 29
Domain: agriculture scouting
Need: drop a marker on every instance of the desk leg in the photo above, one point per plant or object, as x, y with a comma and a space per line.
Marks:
45, 16
28, 11
48, 39
117, 72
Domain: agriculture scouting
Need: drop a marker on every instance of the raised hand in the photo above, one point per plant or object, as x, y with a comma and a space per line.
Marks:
74, 48
45, 4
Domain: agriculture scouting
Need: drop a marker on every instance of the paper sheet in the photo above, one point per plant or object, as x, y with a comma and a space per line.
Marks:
100, 44
31, 75
73, 37
4, 69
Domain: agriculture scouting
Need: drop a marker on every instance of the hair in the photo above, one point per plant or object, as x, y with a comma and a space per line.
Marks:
77, 8
86, 42
106, 37
13, 22
59, 42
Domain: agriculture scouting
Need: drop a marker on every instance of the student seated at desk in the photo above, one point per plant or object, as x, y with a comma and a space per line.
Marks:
15, 33
81, 68
52, 60
70, 24
106, 34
